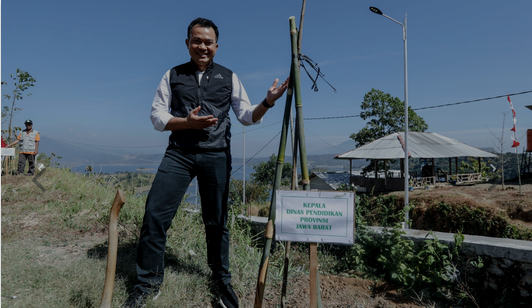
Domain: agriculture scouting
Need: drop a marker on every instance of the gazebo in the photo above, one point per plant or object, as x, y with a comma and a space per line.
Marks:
420, 145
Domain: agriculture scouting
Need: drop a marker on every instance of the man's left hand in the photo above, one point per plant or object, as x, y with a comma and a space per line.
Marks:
275, 92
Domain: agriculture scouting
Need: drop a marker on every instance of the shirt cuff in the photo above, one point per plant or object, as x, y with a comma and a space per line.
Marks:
159, 122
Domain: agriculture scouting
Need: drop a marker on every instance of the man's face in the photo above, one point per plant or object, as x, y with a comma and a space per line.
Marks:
28, 126
202, 46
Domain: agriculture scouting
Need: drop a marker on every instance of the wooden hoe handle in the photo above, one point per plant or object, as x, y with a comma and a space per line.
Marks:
112, 251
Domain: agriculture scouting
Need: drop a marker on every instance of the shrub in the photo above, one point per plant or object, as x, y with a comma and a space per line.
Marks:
468, 219
381, 210
429, 269
255, 193
445, 214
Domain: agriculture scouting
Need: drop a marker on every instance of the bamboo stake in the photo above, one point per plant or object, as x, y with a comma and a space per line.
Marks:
293, 186
112, 250
295, 145
285, 272
300, 36
299, 106
263, 268
305, 181
314, 291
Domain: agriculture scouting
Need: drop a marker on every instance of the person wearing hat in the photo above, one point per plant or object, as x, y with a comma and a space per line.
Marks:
28, 149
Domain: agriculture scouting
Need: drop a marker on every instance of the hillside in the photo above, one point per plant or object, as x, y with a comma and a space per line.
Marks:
73, 154
54, 247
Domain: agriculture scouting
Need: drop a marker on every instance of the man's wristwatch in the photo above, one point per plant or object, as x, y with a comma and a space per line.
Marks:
265, 104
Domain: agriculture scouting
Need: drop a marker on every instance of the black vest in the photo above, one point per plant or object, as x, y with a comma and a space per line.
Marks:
214, 97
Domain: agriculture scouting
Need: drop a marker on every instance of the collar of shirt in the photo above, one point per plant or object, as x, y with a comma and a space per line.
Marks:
199, 75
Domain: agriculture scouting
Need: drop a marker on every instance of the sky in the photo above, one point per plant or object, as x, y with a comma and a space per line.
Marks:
98, 63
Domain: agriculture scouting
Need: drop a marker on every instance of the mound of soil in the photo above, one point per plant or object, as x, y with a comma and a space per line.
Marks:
513, 200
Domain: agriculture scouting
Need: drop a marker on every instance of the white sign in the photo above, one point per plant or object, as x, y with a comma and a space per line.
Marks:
314, 216
8, 151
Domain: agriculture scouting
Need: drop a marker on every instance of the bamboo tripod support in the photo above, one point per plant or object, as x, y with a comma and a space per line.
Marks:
294, 89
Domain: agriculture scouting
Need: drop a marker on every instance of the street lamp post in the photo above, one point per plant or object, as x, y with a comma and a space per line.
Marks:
403, 25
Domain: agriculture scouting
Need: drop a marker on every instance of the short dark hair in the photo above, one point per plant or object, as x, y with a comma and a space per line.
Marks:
203, 22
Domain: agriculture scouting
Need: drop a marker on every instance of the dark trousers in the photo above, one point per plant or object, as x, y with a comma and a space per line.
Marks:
22, 163
173, 177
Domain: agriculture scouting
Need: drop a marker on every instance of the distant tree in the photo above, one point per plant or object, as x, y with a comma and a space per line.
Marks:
385, 115
258, 188
255, 193
265, 172
22, 82
472, 165
345, 187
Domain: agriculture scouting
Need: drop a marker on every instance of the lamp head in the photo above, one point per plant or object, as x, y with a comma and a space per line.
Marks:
375, 10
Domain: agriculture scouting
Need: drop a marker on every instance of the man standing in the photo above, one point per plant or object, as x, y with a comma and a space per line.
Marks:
28, 149
193, 101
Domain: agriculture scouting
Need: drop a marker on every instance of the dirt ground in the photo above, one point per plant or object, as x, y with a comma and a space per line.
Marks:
338, 291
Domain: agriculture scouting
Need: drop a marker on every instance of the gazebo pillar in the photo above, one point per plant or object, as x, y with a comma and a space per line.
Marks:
350, 173
385, 173
450, 167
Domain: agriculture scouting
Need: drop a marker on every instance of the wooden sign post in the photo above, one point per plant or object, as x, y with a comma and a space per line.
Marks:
314, 275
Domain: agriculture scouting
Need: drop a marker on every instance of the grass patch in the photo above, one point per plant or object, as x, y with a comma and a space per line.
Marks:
54, 246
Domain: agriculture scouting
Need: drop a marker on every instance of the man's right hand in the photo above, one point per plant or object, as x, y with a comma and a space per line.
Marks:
196, 122
192, 121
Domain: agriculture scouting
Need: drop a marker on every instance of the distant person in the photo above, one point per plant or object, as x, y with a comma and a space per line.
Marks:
193, 101
29, 139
